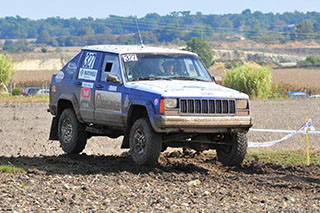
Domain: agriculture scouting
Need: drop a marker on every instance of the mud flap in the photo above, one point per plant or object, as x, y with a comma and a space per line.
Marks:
54, 129
125, 142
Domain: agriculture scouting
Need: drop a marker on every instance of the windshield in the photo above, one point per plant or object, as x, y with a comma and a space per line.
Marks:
164, 66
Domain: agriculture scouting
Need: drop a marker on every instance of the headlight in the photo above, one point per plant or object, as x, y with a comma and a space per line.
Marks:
170, 103
242, 104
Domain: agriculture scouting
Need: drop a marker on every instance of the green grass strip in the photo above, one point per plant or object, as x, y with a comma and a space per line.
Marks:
285, 158
9, 168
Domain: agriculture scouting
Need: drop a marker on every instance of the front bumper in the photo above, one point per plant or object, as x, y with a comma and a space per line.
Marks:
202, 124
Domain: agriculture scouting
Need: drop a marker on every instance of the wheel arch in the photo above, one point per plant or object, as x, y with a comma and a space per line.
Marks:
135, 112
69, 101
62, 104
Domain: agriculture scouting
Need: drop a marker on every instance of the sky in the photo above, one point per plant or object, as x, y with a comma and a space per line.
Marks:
39, 9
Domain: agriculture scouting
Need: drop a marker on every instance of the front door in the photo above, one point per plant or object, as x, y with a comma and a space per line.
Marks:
108, 95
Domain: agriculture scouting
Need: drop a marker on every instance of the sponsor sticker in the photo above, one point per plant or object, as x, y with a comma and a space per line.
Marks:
87, 85
156, 101
207, 93
53, 88
59, 76
194, 87
85, 93
71, 67
98, 99
126, 101
88, 74
177, 90
130, 57
112, 88
108, 101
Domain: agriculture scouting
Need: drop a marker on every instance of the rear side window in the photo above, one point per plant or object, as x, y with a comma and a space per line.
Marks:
89, 66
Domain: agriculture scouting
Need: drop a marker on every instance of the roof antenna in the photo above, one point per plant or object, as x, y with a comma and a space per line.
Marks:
140, 37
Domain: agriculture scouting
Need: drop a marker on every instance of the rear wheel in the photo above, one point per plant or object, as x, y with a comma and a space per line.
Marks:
72, 134
145, 143
233, 154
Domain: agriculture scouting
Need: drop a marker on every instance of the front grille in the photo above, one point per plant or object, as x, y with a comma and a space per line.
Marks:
207, 106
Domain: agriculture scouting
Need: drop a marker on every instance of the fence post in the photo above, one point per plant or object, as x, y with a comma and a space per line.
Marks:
307, 140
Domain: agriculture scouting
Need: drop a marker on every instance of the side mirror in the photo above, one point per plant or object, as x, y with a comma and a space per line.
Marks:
213, 78
113, 78
218, 79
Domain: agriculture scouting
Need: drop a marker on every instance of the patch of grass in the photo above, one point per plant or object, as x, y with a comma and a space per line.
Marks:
23, 185
24, 99
285, 158
9, 168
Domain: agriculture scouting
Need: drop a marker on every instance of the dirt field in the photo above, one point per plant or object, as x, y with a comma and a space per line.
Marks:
299, 79
104, 177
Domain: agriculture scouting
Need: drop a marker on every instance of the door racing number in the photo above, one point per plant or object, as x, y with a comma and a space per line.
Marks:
89, 60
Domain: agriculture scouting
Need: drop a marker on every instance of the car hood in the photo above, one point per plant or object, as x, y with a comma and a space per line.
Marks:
177, 88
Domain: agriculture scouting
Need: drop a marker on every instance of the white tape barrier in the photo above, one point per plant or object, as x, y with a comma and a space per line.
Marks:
305, 126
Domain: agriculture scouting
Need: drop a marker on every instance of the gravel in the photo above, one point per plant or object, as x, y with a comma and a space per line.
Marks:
103, 177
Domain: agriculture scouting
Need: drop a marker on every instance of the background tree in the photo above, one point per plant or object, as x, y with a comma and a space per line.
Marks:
202, 48
304, 30
182, 25
43, 37
8, 46
6, 69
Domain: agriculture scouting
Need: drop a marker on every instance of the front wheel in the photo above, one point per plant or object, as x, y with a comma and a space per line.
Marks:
72, 134
145, 143
233, 154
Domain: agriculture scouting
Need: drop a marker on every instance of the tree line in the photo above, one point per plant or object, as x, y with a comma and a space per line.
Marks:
175, 27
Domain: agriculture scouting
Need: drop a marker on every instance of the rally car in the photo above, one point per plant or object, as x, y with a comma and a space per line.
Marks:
154, 97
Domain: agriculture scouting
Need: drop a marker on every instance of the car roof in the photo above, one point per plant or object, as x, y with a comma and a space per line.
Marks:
124, 49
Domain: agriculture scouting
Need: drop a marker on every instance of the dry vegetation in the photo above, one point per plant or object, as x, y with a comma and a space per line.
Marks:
296, 79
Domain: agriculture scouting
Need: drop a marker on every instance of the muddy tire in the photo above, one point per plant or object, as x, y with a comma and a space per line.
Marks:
233, 155
72, 134
145, 143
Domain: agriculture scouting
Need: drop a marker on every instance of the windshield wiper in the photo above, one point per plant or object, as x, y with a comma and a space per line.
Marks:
186, 78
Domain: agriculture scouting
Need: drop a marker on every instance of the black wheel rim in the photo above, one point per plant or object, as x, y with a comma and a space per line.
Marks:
139, 140
66, 130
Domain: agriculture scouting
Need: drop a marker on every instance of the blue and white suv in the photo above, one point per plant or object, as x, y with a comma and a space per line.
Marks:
154, 97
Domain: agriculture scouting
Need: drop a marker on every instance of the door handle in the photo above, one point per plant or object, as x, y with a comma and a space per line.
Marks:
98, 86
77, 83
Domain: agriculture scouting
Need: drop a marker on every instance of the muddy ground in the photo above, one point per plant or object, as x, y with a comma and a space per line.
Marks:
104, 177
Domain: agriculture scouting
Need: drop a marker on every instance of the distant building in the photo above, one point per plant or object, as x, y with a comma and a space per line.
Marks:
236, 37
242, 28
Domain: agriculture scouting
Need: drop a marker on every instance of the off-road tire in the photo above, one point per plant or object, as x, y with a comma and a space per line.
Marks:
145, 143
233, 155
72, 134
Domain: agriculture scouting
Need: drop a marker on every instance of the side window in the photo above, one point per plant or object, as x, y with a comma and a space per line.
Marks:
89, 66
72, 65
110, 65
